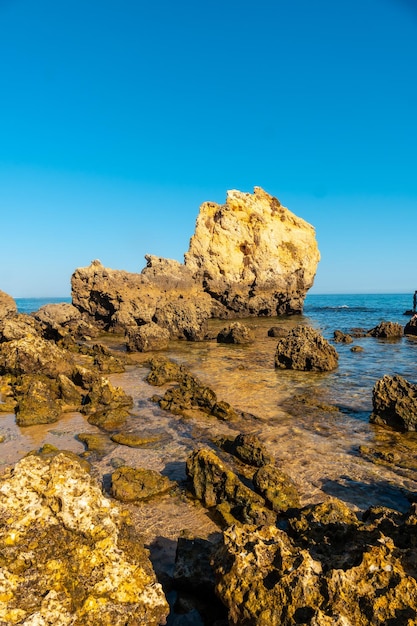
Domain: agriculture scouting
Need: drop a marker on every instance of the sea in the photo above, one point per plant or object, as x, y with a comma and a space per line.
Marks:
315, 424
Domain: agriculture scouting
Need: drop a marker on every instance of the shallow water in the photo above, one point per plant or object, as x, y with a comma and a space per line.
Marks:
319, 449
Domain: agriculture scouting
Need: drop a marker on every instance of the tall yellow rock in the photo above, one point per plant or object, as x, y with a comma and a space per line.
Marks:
253, 256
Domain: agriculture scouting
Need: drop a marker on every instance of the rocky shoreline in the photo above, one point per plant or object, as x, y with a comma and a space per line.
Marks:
226, 538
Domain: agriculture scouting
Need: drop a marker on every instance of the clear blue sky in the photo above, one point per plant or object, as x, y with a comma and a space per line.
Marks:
118, 119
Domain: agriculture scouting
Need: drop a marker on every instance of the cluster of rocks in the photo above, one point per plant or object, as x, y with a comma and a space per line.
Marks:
250, 256
45, 372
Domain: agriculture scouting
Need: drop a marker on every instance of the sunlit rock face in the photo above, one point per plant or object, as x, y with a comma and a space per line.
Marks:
69, 556
253, 255
248, 257
8, 307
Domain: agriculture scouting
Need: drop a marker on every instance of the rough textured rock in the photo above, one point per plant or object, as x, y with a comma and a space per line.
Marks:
216, 485
235, 333
164, 292
130, 484
17, 327
411, 326
59, 320
69, 556
387, 330
8, 306
276, 487
147, 337
305, 349
267, 579
190, 394
34, 355
253, 255
250, 256
248, 449
341, 337
394, 402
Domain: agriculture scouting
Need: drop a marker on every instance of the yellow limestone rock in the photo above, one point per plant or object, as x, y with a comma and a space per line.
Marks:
69, 555
253, 255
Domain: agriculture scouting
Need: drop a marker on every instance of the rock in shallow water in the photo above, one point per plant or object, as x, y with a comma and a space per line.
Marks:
69, 556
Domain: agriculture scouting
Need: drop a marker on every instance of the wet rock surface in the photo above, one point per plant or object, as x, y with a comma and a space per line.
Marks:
305, 349
394, 402
387, 330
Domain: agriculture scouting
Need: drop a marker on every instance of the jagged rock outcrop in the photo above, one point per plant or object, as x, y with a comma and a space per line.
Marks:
253, 255
164, 293
69, 555
305, 349
331, 571
8, 307
250, 256
394, 401
57, 321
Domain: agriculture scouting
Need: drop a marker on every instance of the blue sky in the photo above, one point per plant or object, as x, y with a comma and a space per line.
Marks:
118, 119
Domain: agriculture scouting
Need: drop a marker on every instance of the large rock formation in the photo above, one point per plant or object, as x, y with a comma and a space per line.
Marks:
250, 256
253, 255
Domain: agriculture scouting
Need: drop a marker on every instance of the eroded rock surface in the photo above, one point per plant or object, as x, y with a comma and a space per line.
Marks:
250, 256
253, 255
305, 349
8, 307
69, 556
394, 401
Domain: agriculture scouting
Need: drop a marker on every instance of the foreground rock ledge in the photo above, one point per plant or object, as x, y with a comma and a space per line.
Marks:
69, 556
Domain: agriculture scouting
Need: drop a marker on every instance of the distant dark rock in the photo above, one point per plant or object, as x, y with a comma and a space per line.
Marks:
341, 337
411, 326
387, 330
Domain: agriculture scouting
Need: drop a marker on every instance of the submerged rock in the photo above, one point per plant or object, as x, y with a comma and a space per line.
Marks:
69, 555
304, 348
130, 484
394, 402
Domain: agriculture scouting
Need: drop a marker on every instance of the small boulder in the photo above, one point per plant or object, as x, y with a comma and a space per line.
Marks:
394, 401
387, 330
236, 333
133, 485
276, 487
146, 338
305, 349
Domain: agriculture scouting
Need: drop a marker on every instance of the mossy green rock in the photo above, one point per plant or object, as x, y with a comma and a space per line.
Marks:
216, 485
69, 555
276, 487
130, 484
37, 401
138, 440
